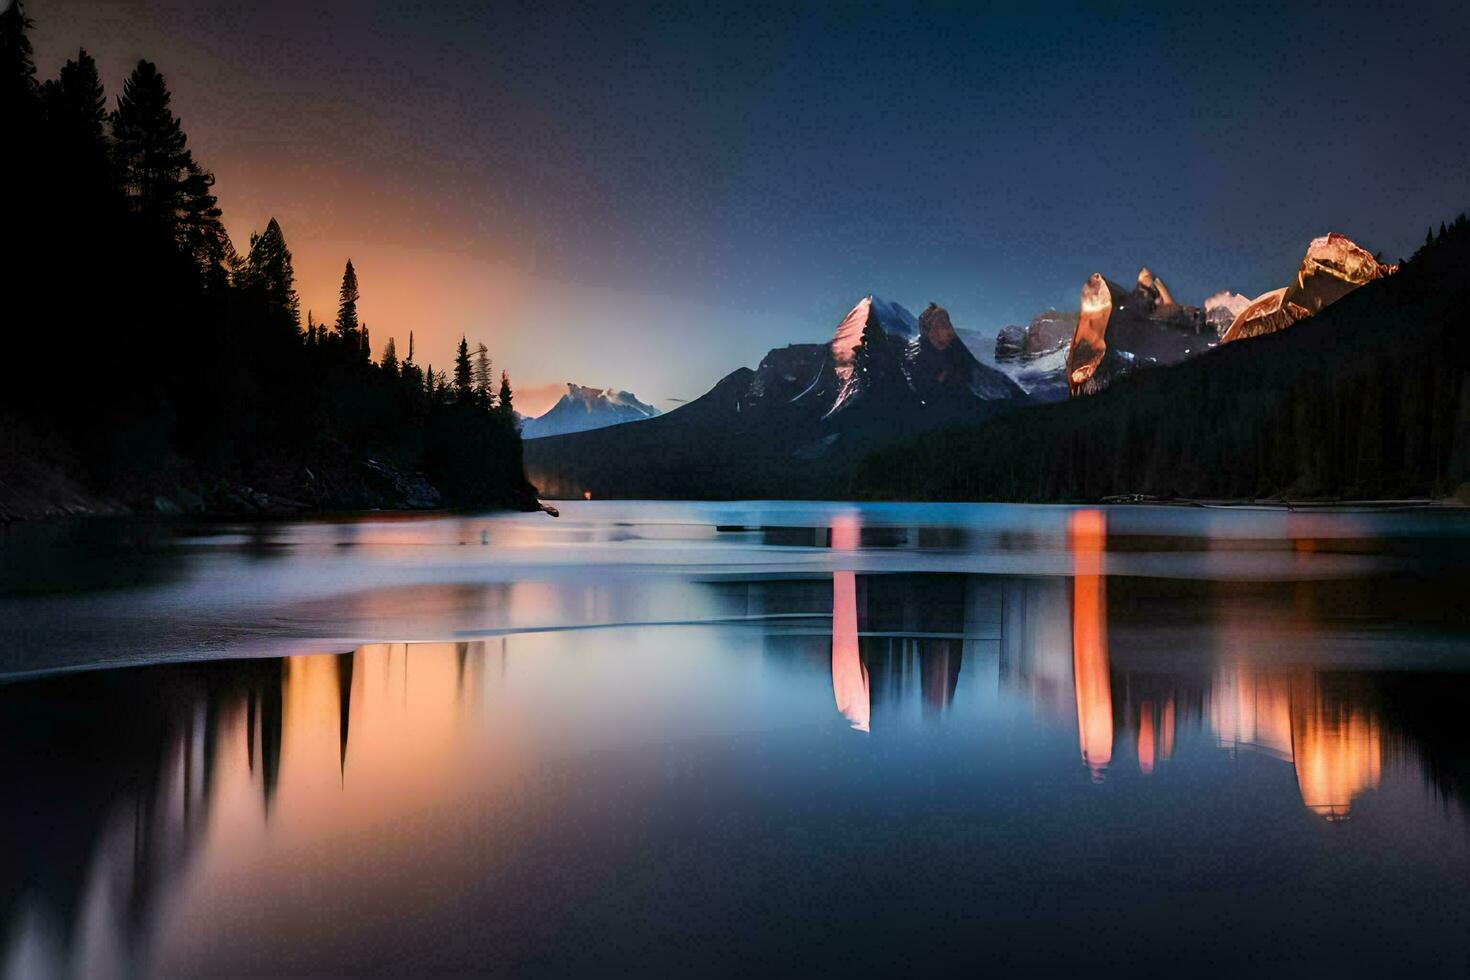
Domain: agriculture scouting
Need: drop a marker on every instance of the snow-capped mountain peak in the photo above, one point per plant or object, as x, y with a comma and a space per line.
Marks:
583, 408
896, 321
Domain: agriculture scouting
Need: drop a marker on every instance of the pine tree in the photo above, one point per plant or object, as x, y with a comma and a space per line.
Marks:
463, 384
152, 149
390, 359
408, 370
505, 403
365, 345
76, 111
484, 377
200, 232
310, 330
347, 303
165, 186
269, 273
17, 66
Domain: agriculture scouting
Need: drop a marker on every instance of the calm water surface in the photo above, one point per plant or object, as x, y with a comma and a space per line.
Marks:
785, 738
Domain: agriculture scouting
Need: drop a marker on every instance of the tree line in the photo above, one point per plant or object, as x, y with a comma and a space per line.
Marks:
157, 357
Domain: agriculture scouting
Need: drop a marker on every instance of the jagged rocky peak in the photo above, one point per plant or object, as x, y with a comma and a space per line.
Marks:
1010, 342
908, 366
896, 321
586, 394
1089, 343
945, 374
1047, 332
1333, 266
1222, 308
1267, 313
935, 328
1118, 330
1154, 288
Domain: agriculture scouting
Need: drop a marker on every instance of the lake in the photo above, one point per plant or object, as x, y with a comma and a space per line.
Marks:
739, 738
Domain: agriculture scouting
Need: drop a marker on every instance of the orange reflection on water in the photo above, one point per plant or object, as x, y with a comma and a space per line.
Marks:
1338, 754
1087, 537
1146, 738
850, 686
1335, 749
1251, 710
1166, 731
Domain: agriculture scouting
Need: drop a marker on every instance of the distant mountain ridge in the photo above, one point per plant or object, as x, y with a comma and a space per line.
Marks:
1117, 330
805, 410
1367, 399
583, 408
811, 418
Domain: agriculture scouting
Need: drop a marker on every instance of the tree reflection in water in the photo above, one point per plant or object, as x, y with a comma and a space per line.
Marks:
123, 781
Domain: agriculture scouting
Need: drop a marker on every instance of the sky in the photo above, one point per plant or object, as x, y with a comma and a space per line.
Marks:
649, 196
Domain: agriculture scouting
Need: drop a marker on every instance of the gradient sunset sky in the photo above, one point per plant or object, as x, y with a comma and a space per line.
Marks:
650, 196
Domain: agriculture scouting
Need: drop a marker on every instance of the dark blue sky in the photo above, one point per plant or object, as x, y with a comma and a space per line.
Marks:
585, 186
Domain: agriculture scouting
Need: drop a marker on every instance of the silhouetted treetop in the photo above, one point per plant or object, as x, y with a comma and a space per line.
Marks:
463, 374
505, 403
17, 61
152, 150
164, 185
268, 272
76, 106
347, 298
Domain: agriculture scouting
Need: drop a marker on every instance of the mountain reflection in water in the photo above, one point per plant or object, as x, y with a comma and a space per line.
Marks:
254, 815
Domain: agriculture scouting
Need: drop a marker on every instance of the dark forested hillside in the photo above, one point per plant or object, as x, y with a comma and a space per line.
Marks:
1370, 399
151, 365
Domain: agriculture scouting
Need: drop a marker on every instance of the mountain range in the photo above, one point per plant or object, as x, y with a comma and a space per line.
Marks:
582, 409
1367, 398
810, 418
804, 411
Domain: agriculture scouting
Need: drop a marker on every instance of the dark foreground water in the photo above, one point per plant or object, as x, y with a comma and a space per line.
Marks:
759, 738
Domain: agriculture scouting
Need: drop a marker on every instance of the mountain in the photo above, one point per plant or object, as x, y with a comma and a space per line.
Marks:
583, 408
1119, 330
1035, 356
1334, 266
1047, 332
806, 412
1222, 308
1368, 398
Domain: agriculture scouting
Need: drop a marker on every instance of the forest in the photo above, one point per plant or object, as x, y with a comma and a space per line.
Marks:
153, 366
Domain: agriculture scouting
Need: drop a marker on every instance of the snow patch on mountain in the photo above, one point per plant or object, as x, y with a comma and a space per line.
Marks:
583, 408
